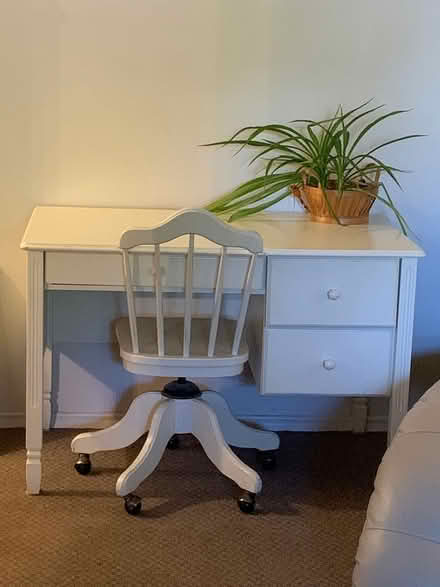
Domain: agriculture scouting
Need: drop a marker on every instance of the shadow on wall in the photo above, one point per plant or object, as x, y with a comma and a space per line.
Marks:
425, 371
93, 379
12, 351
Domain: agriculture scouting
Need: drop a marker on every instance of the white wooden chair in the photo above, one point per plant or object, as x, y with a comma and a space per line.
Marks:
183, 346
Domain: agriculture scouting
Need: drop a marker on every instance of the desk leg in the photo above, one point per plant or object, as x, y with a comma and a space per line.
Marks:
34, 369
359, 414
402, 360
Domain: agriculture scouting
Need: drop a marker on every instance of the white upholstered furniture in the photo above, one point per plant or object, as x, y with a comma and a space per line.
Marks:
182, 346
400, 542
328, 302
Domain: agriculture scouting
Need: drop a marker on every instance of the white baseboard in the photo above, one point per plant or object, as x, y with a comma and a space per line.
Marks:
273, 422
292, 423
311, 423
12, 420
377, 424
86, 420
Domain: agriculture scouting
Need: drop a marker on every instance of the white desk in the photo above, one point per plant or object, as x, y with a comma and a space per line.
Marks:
337, 318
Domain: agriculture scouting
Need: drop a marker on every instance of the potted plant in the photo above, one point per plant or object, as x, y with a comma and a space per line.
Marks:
321, 163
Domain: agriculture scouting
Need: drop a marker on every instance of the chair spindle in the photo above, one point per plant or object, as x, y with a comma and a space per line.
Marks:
159, 304
130, 301
244, 304
217, 303
188, 297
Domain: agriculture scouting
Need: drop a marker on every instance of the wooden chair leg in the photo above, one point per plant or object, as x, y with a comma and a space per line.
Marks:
236, 433
206, 429
163, 426
131, 427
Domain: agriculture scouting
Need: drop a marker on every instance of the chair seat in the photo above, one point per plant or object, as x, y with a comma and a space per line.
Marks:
198, 364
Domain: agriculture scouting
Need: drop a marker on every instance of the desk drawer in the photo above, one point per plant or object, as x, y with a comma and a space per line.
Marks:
328, 361
105, 270
332, 292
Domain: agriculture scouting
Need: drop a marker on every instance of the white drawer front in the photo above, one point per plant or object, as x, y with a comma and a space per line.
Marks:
105, 269
328, 362
332, 292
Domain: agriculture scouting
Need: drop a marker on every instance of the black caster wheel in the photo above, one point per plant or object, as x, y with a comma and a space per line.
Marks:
173, 442
133, 504
267, 459
246, 502
83, 464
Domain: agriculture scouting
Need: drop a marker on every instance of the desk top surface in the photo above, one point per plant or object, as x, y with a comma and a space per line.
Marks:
65, 228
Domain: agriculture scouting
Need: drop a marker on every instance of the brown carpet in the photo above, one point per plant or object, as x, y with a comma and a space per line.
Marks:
190, 532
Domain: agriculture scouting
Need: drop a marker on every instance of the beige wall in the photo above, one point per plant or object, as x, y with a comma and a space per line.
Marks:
103, 102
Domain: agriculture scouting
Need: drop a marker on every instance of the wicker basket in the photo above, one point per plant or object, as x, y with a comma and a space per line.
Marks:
352, 207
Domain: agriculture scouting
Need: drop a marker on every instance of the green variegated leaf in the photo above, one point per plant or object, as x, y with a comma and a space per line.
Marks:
248, 211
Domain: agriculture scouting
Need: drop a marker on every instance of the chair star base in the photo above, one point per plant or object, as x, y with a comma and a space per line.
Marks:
207, 417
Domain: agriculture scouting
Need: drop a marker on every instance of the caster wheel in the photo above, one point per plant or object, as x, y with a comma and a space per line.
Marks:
133, 504
83, 464
246, 503
173, 442
267, 459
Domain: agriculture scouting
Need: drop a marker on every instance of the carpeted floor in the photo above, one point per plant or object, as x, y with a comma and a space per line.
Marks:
190, 532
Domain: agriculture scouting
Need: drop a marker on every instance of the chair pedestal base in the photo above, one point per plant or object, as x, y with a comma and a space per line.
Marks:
208, 418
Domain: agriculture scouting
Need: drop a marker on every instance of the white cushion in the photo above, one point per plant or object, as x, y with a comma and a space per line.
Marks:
400, 542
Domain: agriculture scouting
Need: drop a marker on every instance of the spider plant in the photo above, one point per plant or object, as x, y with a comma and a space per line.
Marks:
325, 153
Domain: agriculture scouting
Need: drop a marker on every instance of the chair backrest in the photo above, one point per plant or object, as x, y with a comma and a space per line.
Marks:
190, 222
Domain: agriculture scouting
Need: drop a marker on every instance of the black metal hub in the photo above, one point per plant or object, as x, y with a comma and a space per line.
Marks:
181, 388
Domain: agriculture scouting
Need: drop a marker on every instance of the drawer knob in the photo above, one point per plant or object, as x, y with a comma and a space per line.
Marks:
329, 364
333, 294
